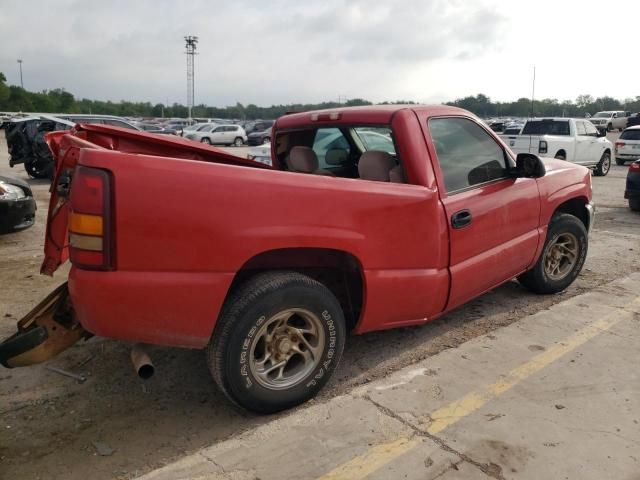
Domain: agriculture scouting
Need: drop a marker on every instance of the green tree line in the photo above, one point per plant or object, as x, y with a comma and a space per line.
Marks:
17, 99
482, 106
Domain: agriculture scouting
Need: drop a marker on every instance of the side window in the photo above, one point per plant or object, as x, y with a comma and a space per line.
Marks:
329, 139
591, 130
581, 129
466, 153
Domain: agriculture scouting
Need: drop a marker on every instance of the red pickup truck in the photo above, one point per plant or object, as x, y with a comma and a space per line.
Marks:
367, 219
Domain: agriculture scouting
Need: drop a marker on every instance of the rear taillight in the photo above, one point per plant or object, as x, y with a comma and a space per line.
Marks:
542, 146
620, 144
635, 167
90, 222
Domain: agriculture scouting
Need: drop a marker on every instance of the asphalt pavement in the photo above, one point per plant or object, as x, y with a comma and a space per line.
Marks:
554, 395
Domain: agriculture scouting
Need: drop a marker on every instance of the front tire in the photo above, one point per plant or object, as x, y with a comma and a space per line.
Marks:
562, 257
278, 339
266, 140
206, 140
604, 165
238, 142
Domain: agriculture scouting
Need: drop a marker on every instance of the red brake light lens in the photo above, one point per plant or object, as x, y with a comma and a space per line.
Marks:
90, 226
635, 166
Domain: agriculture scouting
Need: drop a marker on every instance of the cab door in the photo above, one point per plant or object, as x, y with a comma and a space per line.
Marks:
217, 135
492, 218
583, 143
596, 147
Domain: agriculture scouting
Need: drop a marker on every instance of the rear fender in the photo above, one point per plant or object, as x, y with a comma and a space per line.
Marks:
65, 148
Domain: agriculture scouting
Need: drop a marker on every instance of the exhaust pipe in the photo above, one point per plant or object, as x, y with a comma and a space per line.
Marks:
141, 361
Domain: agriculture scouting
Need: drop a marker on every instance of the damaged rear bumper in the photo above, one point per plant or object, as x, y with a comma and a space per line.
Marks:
44, 332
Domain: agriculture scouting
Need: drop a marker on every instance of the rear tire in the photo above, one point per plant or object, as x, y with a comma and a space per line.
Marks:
238, 142
609, 128
619, 161
604, 165
561, 156
206, 140
278, 339
634, 204
37, 169
266, 140
566, 248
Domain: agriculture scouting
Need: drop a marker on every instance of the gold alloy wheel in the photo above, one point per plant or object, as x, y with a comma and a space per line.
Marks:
287, 347
560, 256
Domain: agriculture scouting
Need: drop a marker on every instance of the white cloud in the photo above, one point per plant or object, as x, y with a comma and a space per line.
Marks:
284, 51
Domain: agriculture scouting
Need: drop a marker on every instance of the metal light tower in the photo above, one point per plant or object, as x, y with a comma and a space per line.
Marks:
190, 46
20, 65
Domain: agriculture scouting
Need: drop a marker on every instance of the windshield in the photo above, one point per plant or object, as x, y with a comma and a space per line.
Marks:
602, 115
546, 127
630, 135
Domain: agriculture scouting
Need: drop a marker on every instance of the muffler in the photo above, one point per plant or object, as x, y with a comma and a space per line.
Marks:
142, 363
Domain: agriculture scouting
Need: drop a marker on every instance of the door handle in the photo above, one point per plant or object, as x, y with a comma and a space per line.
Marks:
461, 219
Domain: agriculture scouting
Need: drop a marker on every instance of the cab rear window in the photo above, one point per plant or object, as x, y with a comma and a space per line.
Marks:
546, 127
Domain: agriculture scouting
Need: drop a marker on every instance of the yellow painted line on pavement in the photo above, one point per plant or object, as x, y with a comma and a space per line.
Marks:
382, 454
375, 458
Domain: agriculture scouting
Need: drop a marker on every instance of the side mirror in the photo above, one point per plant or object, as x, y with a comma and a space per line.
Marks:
528, 165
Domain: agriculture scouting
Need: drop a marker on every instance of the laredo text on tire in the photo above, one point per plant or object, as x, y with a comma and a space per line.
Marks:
279, 338
562, 257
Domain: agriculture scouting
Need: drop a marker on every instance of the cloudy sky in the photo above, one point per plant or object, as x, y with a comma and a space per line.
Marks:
284, 51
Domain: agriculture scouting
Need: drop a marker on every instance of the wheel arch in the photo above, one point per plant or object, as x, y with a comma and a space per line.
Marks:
577, 207
340, 271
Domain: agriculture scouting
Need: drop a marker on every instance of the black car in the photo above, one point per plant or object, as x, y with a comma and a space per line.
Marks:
632, 192
259, 138
17, 205
634, 119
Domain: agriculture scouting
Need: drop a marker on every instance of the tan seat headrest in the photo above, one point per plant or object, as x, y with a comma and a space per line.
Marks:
375, 165
303, 159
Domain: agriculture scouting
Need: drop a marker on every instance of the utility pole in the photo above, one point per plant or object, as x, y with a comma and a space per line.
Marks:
20, 66
533, 91
190, 45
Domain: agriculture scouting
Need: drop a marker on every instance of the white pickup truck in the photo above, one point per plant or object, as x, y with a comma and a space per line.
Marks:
610, 120
575, 140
